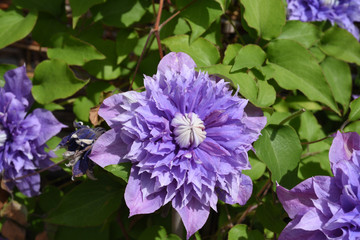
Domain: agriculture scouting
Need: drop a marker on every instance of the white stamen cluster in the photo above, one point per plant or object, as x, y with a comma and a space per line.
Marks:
189, 130
330, 2
3, 136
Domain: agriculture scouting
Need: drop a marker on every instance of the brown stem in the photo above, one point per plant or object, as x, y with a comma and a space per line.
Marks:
156, 28
122, 227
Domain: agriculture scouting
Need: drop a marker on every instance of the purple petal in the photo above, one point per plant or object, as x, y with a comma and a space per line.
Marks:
193, 215
108, 149
19, 84
297, 201
175, 62
134, 198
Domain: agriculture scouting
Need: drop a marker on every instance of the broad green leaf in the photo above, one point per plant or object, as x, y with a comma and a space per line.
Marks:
310, 129
249, 56
302, 32
73, 51
202, 51
315, 165
266, 94
14, 26
300, 101
50, 197
121, 170
88, 204
266, 16
55, 7
338, 75
247, 85
296, 68
46, 27
106, 69
224, 4
270, 216
230, 53
341, 44
257, 167
3, 69
82, 107
213, 34
88, 233
120, 13
279, 148
53, 79
125, 44
53, 106
238, 232
79, 7
200, 15
155, 232
317, 53
353, 127
355, 110
277, 117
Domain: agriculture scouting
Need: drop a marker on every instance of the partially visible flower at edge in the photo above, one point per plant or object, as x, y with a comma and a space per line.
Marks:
324, 207
78, 145
342, 12
187, 138
23, 136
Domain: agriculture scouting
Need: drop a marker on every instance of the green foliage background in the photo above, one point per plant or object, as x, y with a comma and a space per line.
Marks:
302, 75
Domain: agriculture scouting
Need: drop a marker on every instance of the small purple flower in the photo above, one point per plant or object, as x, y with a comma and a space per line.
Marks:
325, 207
23, 137
342, 12
187, 138
78, 145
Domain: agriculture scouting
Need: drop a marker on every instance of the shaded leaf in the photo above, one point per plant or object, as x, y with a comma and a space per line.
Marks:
230, 53
54, 7
14, 26
79, 7
121, 170
355, 110
53, 79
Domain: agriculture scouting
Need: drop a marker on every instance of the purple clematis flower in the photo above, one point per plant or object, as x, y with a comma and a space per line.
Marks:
187, 138
23, 137
324, 207
342, 12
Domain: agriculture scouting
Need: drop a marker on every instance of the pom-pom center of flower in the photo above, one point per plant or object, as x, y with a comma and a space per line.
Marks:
189, 130
3, 136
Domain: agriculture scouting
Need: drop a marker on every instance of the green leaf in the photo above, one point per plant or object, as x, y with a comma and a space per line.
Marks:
73, 51
317, 53
296, 68
247, 85
298, 102
238, 232
88, 204
121, 170
257, 167
89, 233
230, 53
154, 232
338, 75
200, 15
49, 198
315, 165
106, 69
120, 13
53, 80
125, 43
14, 26
266, 16
310, 129
341, 44
270, 216
355, 110
224, 4
279, 148
55, 7
249, 56
266, 94
353, 127
79, 7
202, 51
82, 107
302, 32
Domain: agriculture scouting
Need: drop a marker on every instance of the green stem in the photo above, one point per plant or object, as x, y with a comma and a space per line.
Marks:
293, 115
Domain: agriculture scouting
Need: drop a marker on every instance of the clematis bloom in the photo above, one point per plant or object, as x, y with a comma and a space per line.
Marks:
324, 207
342, 12
187, 138
23, 136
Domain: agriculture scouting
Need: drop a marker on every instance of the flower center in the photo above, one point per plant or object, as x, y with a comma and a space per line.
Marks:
189, 130
3, 136
329, 3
